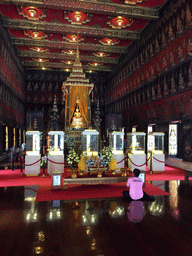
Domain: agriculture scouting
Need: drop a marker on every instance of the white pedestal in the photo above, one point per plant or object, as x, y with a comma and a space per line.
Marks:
155, 164
138, 159
52, 167
32, 169
118, 158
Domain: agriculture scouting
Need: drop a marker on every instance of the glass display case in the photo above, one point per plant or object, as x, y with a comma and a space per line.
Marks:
33, 143
55, 152
157, 142
116, 142
56, 142
136, 151
136, 142
32, 158
156, 152
89, 139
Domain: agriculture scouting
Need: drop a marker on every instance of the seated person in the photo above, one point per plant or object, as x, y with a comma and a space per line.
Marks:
136, 192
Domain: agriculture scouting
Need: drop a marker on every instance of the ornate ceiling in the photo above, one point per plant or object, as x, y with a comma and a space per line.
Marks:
46, 32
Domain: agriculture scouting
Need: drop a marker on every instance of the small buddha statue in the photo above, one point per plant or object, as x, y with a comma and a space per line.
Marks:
77, 121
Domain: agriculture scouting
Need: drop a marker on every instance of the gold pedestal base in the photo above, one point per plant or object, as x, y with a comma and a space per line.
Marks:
99, 175
113, 172
73, 173
81, 172
124, 172
29, 175
152, 172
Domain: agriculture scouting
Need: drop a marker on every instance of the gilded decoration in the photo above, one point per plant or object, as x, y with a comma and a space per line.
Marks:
35, 34
109, 41
120, 22
73, 38
134, 2
70, 52
101, 54
38, 49
76, 90
31, 12
95, 64
69, 62
39, 60
77, 18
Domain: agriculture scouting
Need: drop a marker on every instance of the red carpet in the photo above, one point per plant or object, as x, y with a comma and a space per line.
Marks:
170, 173
12, 178
9, 178
90, 191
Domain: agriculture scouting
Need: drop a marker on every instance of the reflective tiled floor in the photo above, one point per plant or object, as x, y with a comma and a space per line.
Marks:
96, 227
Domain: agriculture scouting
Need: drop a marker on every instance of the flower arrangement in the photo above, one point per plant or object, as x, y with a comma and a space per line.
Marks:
91, 162
72, 158
107, 155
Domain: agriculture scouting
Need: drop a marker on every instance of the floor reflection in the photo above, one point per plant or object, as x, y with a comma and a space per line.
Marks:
94, 226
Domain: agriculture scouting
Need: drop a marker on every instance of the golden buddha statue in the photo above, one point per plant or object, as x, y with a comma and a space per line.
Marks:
77, 121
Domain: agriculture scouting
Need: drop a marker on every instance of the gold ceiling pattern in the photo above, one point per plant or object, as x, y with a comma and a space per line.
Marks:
46, 32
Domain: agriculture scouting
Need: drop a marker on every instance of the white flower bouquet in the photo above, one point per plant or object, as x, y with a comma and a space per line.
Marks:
107, 155
72, 158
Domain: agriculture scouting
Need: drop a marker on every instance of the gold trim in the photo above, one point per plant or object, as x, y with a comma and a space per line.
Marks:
31, 174
66, 46
46, 55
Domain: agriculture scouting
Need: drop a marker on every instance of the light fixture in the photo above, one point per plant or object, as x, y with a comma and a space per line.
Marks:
32, 12
109, 41
74, 38
119, 20
77, 16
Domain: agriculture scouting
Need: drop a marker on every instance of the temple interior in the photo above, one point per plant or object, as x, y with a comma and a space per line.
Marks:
90, 90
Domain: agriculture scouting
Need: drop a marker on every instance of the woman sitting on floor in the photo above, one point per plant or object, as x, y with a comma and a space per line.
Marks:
136, 192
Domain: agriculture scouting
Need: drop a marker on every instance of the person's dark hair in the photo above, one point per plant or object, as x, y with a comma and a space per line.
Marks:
136, 172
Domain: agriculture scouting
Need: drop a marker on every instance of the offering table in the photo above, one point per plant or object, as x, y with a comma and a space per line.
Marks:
93, 181
99, 170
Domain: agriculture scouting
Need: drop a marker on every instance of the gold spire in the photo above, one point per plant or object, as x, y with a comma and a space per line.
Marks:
77, 60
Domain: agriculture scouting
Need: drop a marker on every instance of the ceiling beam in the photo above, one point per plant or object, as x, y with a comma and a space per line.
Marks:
68, 46
90, 6
63, 66
64, 56
53, 27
